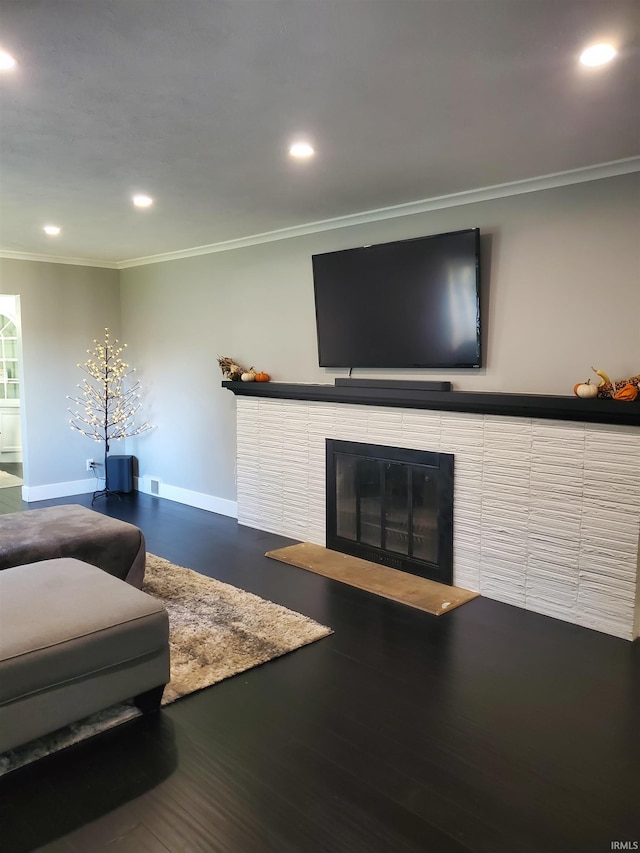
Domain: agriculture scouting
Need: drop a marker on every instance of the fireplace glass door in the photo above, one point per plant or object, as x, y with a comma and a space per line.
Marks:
391, 506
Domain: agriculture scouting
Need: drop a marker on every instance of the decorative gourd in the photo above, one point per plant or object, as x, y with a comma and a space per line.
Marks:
627, 392
604, 378
229, 368
609, 390
585, 390
262, 377
249, 375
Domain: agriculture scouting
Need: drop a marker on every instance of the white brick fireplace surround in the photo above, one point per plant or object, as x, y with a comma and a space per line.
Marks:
546, 512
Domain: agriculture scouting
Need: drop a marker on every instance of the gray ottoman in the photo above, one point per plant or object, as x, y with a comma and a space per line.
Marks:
71, 530
74, 640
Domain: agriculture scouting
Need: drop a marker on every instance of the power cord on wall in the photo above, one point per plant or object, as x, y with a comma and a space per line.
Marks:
95, 467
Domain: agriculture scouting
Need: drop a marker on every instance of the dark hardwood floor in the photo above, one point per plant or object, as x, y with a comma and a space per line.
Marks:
487, 729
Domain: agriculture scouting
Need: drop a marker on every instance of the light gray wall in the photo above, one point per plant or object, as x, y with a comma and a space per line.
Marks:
563, 293
63, 308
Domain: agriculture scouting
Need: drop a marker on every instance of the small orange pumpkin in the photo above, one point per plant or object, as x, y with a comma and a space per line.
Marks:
627, 392
262, 377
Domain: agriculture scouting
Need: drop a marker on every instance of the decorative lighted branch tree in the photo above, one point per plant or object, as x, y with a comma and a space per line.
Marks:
108, 405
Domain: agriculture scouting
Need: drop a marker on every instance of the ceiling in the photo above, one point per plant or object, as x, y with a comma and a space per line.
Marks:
195, 102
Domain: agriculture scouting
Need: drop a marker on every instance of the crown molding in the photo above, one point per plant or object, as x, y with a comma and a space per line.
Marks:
544, 182
611, 169
54, 259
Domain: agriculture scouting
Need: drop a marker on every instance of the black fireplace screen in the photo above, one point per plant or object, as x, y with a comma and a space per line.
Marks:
392, 506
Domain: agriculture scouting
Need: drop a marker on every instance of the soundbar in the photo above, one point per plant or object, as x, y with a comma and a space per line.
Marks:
400, 384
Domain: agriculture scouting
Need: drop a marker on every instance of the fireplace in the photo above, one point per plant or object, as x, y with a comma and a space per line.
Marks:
546, 490
392, 506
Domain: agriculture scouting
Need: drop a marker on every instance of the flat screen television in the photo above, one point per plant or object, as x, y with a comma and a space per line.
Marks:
411, 303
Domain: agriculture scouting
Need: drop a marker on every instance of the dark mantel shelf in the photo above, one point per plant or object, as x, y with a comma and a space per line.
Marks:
567, 408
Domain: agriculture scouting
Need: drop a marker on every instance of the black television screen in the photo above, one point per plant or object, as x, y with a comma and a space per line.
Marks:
412, 303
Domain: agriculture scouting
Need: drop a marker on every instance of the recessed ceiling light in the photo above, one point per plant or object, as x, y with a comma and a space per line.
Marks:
51, 230
7, 62
598, 54
142, 200
301, 150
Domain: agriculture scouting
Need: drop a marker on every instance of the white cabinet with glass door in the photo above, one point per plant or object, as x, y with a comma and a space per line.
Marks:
10, 441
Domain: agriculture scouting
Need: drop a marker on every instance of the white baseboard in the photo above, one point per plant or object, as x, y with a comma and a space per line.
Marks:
186, 496
58, 490
143, 484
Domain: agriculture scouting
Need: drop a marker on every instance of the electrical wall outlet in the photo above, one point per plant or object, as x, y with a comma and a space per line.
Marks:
90, 464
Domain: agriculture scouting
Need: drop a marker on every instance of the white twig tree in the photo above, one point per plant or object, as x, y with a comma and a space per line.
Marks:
107, 404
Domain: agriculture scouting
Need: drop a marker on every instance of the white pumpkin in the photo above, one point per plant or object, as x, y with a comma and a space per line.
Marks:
249, 376
586, 390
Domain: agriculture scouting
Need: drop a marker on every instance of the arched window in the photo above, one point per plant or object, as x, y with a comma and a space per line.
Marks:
9, 379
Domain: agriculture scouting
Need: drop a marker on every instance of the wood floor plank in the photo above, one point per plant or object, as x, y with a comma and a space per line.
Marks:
492, 795
136, 839
313, 811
